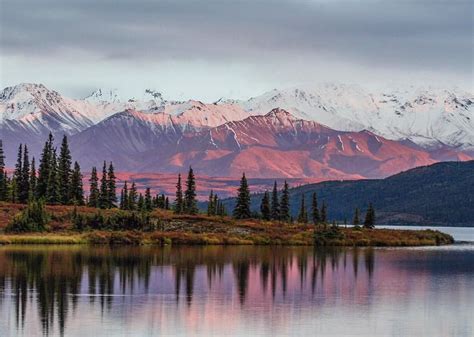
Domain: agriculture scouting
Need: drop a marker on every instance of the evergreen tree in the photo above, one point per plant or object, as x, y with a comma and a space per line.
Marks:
265, 206
167, 203
275, 205
369, 221
285, 204
216, 205
76, 188
94, 189
147, 202
53, 195
303, 215
132, 197
111, 185
3, 178
32, 193
104, 189
211, 207
44, 168
356, 221
242, 208
141, 203
18, 174
315, 209
64, 172
178, 204
12, 191
190, 203
324, 213
124, 197
24, 194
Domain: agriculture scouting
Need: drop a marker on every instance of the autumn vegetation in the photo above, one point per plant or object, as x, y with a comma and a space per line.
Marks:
50, 206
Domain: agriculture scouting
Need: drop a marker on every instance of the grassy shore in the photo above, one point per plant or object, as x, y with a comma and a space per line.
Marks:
203, 230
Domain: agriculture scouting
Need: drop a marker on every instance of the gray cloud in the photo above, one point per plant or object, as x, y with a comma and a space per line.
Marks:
399, 35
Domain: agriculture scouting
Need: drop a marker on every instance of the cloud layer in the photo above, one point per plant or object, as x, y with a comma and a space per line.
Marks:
269, 41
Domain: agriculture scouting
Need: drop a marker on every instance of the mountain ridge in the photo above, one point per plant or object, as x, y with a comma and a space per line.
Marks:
226, 136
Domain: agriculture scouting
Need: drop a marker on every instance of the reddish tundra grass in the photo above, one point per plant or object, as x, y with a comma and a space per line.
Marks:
204, 230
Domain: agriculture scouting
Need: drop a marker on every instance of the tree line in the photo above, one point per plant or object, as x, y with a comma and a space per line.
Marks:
275, 206
59, 181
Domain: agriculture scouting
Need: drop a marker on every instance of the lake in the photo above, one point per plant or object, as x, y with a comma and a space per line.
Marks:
236, 291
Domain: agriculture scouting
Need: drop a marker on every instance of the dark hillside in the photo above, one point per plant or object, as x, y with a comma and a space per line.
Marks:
440, 194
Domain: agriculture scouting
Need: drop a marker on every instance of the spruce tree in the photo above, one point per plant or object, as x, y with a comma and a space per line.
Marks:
369, 221
12, 191
111, 185
285, 204
124, 197
44, 168
265, 206
53, 193
356, 220
132, 197
104, 189
210, 204
242, 208
94, 189
190, 203
141, 203
216, 202
24, 194
275, 205
32, 194
324, 213
178, 204
18, 174
3, 178
76, 189
315, 209
64, 172
167, 203
4, 185
303, 215
147, 201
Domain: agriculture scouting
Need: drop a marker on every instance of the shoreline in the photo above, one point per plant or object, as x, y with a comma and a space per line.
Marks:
85, 225
347, 238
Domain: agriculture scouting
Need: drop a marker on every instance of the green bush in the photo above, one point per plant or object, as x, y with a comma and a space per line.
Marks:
34, 218
328, 236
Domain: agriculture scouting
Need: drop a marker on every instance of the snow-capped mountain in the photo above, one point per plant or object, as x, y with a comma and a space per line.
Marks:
328, 131
277, 144
37, 108
427, 116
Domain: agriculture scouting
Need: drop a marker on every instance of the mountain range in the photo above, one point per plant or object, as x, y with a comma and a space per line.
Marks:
325, 132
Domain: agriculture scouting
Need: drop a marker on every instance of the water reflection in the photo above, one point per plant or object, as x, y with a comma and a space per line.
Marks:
43, 286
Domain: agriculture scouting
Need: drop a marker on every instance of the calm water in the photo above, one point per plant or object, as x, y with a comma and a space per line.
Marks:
236, 291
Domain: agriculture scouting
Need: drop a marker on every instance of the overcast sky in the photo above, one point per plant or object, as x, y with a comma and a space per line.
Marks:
209, 49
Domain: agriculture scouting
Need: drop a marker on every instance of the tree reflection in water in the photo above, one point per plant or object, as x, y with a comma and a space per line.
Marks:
56, 278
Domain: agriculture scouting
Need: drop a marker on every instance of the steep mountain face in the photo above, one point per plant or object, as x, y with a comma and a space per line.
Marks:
274, 145
428, 117
35, 107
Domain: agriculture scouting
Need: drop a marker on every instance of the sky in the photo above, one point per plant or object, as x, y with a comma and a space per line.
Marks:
210, 49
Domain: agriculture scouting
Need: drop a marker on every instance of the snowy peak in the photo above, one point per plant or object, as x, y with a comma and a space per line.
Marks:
280, 114
426, 116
